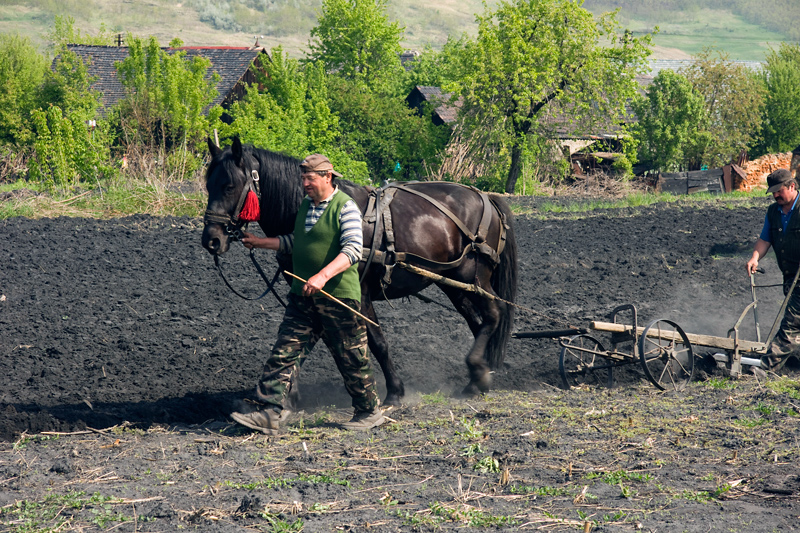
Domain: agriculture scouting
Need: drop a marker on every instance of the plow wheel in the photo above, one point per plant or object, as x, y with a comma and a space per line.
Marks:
666, 355
582, 364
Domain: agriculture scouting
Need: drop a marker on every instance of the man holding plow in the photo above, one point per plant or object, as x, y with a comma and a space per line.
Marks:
781, 231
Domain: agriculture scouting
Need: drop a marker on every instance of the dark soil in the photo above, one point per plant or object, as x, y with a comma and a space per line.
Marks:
122, 354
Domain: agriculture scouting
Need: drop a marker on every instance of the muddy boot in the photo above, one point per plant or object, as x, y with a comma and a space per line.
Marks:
363, 420
777, 357
266, 421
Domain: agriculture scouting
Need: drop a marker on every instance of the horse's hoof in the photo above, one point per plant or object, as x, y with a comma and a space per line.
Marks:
471, 391
393, 400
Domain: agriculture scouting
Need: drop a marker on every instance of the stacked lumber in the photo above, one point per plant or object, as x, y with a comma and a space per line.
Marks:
757, 171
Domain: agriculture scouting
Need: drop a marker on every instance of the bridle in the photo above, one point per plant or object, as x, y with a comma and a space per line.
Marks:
233, 227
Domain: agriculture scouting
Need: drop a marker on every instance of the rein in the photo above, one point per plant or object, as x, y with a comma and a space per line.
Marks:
233, 227
270, 284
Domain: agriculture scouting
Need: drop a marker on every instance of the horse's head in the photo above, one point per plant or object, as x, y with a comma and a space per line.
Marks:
228, 180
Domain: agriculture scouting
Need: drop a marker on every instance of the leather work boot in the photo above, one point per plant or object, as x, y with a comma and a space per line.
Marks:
363, 420
266, 421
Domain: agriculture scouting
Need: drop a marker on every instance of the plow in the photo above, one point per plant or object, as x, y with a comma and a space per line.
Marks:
664, 351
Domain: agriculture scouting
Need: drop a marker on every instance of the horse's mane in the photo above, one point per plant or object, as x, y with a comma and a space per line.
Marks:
281, 190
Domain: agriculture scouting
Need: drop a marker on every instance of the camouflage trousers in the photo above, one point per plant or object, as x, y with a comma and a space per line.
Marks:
306, 321
787, 340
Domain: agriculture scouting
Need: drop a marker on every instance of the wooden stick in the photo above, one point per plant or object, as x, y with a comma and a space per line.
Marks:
724, 343
338, 301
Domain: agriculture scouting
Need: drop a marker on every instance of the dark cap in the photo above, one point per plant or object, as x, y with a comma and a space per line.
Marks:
318, 162
778, 179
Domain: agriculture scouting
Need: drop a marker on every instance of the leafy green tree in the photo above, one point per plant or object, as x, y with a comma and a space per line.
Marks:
291, 115
68, 85
531, 55
66, 151
734, 99
383, 131
22, 70
167, 95
781, 121
438, 68
355, 39
669, 129
64, 32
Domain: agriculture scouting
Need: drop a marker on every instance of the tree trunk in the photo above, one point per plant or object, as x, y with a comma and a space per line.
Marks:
516, 167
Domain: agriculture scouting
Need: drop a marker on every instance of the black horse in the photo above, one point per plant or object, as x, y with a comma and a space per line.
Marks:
445, 228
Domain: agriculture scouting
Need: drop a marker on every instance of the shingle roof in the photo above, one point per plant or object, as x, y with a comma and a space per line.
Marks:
443, 110
231, 63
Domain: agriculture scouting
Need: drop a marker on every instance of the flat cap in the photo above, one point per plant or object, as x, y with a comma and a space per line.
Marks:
778, 179
318, 162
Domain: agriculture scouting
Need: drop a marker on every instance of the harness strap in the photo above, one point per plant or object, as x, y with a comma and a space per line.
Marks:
388, 231
441, 207
370, 217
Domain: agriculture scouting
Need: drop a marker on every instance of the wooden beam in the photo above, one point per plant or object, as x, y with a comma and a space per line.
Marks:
722, 343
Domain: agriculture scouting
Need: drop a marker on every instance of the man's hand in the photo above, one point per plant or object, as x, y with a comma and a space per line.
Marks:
759, 250
315, 284
752, 265
250, 241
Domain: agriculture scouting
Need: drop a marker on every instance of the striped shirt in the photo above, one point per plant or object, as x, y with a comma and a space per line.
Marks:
352, 237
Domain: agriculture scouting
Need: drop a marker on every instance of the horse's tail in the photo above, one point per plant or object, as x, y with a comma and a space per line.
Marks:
504, 283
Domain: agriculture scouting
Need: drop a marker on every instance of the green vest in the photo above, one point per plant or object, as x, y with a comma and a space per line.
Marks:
785, 243
315, 249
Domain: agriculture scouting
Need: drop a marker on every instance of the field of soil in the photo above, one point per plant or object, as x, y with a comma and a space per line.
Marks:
122, 354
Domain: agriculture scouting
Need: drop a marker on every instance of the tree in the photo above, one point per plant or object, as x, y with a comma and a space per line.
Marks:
440, 68
734, 98
781, 119
291, 115
383, 131
531, 54
355, 40
167, 94
22, 70
64, 32
669, 127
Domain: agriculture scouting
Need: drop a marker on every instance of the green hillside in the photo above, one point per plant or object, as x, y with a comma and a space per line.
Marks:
743, 28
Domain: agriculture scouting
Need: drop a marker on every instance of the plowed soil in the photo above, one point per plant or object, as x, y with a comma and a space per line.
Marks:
122, 354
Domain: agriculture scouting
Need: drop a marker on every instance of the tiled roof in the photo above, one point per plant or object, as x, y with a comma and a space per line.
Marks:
231, 63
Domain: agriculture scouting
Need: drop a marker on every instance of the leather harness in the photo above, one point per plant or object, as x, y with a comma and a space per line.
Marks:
379, 215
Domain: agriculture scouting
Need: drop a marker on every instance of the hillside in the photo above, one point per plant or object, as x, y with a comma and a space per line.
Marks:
743, 34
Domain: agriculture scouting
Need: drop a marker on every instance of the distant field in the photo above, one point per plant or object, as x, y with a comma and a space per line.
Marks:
426, 24
713, 28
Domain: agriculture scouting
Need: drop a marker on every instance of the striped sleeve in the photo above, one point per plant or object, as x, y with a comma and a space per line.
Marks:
352, 238
286, 243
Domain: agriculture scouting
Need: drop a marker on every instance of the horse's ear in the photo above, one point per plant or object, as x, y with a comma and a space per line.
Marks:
213, 149
236, 150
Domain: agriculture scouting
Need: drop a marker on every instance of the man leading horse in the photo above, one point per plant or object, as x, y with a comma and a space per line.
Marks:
326, 247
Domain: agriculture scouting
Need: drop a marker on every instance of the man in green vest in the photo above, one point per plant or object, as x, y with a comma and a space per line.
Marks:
781, 231
326, 248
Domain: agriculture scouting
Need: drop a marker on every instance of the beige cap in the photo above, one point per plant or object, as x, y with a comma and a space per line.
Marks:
318, 162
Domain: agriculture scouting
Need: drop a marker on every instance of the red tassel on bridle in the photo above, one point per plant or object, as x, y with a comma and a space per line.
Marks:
251, 211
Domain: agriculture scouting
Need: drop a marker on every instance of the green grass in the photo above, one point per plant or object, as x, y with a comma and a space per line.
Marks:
714, 28
733, 200
56, 511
